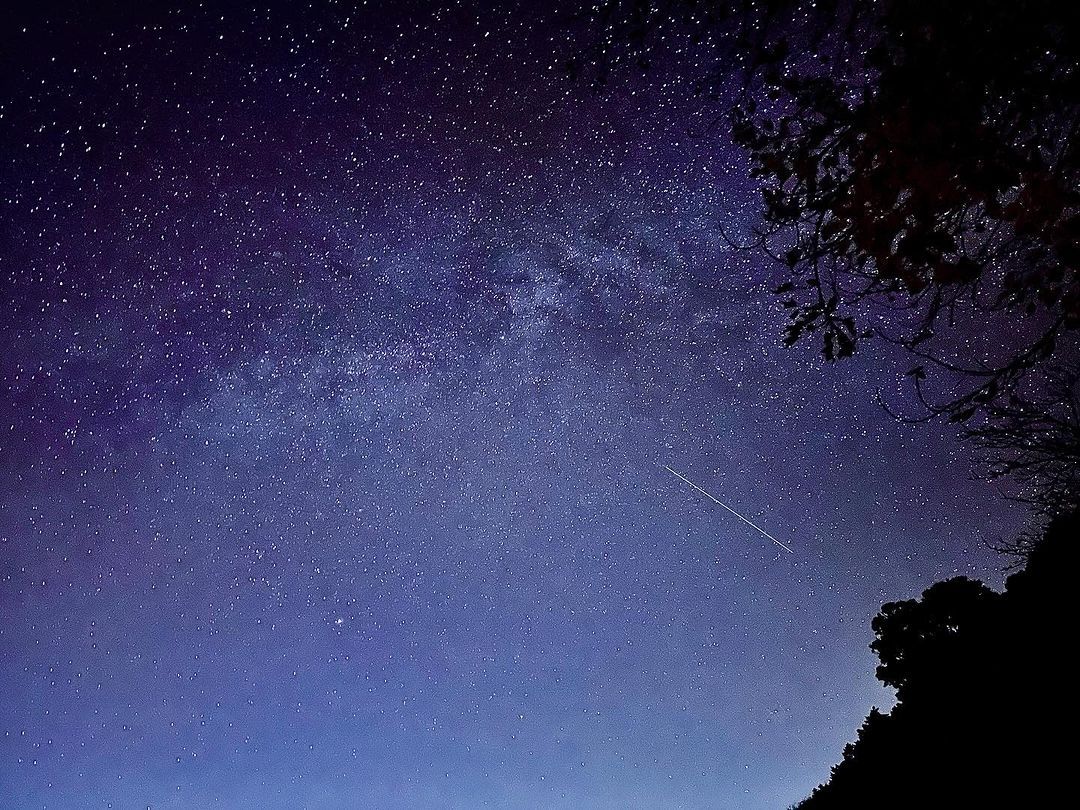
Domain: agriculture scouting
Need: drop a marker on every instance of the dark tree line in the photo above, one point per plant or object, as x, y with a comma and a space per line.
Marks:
919, 170
984, 708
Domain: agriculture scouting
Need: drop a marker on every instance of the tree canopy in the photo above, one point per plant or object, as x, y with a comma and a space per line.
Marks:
919, 172
981, 685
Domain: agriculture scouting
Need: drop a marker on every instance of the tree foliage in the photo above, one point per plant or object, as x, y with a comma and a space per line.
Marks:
914, 637
981, 686
919, 172
930, 163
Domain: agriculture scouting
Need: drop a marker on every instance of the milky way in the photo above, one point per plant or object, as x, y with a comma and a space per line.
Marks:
344, 349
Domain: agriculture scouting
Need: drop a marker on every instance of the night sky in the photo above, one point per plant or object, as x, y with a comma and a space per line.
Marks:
344, 346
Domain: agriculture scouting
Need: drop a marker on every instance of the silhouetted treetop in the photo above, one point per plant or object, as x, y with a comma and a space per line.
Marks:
912, 635
983, 693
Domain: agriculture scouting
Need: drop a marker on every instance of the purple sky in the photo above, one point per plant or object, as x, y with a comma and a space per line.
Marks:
344, 349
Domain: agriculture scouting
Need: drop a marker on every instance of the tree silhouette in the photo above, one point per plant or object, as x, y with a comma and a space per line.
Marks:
932, 168
914, 638
920, 179
981, 685
919, 172
1034, 437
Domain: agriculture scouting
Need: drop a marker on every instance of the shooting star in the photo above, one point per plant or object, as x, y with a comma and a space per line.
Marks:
736, 514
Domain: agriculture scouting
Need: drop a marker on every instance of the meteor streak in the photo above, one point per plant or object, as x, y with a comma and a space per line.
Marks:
736, 514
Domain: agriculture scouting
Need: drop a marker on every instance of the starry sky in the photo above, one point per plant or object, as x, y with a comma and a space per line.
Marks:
344, 346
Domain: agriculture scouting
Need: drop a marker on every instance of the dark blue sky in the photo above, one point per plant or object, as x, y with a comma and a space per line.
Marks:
343, 351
